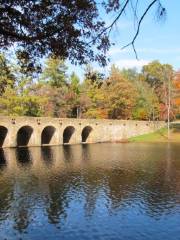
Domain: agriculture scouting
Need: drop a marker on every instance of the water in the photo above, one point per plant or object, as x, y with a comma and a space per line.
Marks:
98, 191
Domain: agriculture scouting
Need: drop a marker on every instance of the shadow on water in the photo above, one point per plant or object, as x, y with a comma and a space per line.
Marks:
86, 153
24, 157
47, 155
3, 162
68, 153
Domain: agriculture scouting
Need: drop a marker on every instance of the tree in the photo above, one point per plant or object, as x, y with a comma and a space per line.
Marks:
176, 93
21, 103
67, 29
54, 72
147, 105
74, 96
157, 75
16, 97
120, 95
6, 75
95, 95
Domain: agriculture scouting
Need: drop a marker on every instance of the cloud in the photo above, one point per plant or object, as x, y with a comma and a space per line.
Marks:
117, 50
131, 63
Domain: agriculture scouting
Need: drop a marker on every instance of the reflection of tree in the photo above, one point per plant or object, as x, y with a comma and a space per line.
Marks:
160, 187
120, 186
57, 201
152, 182
61, 188
6, 189
86, 153
92, 184
22, 216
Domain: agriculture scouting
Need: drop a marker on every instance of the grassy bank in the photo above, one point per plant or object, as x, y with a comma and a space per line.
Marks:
159, 136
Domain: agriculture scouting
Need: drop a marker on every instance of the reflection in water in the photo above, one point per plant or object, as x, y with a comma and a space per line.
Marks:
68, 153
47, 155
23, 156
2, 159
86, 153
99, 191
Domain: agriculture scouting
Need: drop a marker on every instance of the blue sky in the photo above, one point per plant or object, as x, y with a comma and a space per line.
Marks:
156, 41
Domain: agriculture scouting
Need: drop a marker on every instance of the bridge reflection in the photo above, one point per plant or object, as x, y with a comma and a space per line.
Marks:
55, 179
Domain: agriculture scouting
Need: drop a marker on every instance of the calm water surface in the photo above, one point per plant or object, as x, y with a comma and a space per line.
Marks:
98, 191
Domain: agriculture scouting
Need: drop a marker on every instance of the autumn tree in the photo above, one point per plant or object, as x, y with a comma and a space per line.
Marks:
176, 91
120, 95
93, 87
147, 104
158, 75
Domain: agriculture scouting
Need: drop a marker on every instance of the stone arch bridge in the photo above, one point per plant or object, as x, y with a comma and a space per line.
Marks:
33, 131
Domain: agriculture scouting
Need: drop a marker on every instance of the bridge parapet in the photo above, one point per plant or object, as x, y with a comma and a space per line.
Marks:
38, 131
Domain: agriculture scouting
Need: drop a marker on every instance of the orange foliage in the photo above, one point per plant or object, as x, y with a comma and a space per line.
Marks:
177, 101
176, 86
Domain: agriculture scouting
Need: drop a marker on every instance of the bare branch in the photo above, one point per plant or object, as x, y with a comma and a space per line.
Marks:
112, 24
118, 16
138, 27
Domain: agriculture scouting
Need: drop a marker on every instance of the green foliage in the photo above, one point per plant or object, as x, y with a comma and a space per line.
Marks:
158, 136
17, 98
147, 105
124, 94
6, 76
156, 75
94, 89
20, 104
75, 83
55, 72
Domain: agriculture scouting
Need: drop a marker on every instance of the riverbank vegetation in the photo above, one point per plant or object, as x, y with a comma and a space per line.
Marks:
28, 90
159, 136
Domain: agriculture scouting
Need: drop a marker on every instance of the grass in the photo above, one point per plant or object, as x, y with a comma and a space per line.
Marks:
159, 136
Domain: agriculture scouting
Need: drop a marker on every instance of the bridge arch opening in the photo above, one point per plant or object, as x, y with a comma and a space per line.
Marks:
24, 135
67, 134
3, 134
47, 134
85, 133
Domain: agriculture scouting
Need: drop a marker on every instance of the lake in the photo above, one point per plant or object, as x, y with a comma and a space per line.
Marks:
95, 191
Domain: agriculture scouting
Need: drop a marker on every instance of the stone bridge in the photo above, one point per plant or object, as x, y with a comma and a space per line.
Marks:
33, 131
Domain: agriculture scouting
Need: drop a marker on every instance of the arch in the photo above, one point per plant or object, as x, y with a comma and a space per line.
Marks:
24, 135
85, 133
67, 134
3, 134
47, 134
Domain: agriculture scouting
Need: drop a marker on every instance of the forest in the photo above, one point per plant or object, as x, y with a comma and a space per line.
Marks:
29, 90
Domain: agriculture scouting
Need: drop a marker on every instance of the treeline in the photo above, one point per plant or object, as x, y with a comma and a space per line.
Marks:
27, 90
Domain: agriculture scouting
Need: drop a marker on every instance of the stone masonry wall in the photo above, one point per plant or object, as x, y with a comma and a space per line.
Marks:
100, 130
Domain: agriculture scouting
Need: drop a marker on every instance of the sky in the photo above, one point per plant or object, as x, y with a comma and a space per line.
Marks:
156, 41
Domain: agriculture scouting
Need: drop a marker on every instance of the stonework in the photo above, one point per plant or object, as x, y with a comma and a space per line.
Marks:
33, 131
